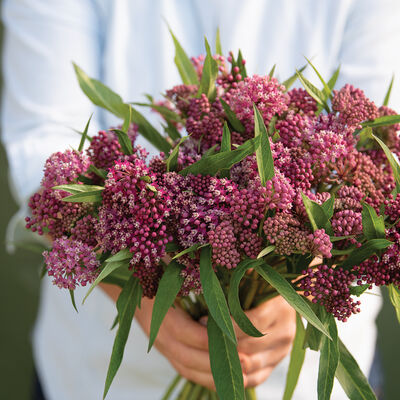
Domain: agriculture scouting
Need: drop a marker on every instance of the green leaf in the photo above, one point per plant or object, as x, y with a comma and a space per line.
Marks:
127, 120
392, 160
107, 270
339, 238
75, 188
265, 162
225, 363
240, 64
99, 172
271, 73
214, 295
182, 61
209, 75
84, 135
350, 376
127, 303
189, 250
373, 226
122, 255
317, 215
332, 81
313, 337
328, 361
394, 294
172, 132
326, 89
124, 141
226, 139
218, 47
286, 290
297, 356
387, 96
172, 160
289, 82
387, 120
267, 250
234, 302
168, 288
72, 295
328, 206
210, 165
232, 118
358, 290
359, 254
315, 93
168, 114
85, 197
100, 95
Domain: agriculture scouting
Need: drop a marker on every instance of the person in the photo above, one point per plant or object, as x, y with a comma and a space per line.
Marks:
126, 45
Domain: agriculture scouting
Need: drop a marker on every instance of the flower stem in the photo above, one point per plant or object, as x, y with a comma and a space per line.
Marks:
196, 392
187, 387
250, 394
171, 387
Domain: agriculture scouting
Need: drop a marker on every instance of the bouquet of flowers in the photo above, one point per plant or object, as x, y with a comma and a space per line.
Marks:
257, 191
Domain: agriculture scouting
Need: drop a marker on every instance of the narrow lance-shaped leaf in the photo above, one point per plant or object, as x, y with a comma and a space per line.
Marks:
85, 197
172, 132
265, 162
84, 134
351, 378
232, 118
394, 295
75, 188
168, 114
317, 215
328, 206
389, 91
292, 79
214, 295
326, 88
124, 141
234, 302
386, 120
72, 295
108, 269
218, 47
266, 251
286, 290
172, 160
373, 226
359, 254
210, 165
315, 93
209, 75
297, 356
127, 120
168, 288
127, 303
122, 255
189, 250
225, 146
332, 81
271, 72
99, 172
328, 361
225, 363
182, 61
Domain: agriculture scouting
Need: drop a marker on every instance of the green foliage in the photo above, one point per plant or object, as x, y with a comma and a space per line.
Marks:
359, 254
234, 302
292, 79
225, 363
350, 376
332, 81
172, 160
214, 295
182, 61
315, 93
286, 290
358, 290
211, 164
297, 356
99, 172
218, 47
326, 89
266, 251
209, 75
84, 134
127, 303
387, 96
328, 206
72, 295
122, 255
328, 361
373, 226
272, 71
232, 118
225, 146
75, 188
386, 120
168, 288
93, 196
394, 295
190, 249
124, 141
317, 215
265, 162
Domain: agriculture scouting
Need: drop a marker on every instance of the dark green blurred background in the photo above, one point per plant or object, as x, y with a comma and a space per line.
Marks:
19, 280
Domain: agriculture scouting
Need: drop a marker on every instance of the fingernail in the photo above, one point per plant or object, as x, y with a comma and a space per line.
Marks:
203, 320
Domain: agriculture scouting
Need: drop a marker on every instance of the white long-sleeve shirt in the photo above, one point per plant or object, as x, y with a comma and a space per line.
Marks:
126, 44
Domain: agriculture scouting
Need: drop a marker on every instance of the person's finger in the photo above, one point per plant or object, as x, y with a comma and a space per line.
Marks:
186, 330
256, 378
189, 357
202, 378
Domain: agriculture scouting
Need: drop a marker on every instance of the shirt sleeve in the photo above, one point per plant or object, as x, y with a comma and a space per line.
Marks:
42, 101
368, 53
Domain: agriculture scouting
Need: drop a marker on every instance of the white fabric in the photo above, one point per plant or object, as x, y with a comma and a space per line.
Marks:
125, 43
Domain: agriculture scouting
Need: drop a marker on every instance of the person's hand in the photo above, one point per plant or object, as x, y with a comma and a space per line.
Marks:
259, 356
183, 341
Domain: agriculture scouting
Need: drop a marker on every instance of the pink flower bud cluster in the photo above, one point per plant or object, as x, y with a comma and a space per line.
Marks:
85, 230
330, 287
301, 102
265, 92
353, 106
71, 263
347, 222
